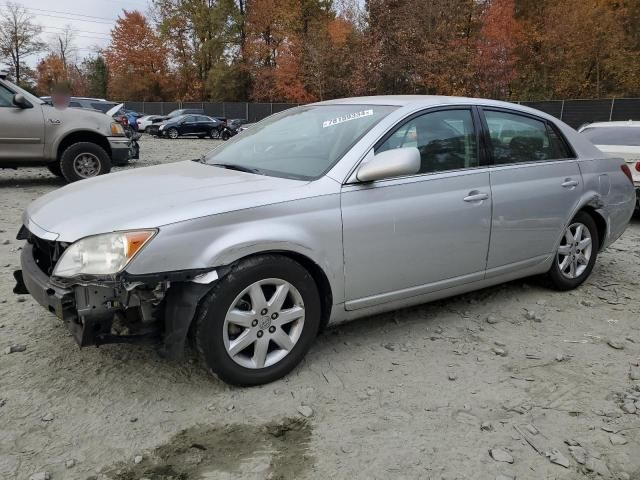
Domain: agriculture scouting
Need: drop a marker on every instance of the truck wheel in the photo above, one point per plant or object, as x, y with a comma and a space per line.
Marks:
259, 321
84, 160
55, 169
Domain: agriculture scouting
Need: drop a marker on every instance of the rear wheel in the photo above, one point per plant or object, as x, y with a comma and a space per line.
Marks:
259, 321
576, 254
84, 160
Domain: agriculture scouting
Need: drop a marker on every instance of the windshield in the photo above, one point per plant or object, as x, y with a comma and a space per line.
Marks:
303, 142
629, 136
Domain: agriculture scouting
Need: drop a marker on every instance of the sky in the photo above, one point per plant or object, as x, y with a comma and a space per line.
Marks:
91, 20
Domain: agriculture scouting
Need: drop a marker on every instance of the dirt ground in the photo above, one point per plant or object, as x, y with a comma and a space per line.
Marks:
515, 381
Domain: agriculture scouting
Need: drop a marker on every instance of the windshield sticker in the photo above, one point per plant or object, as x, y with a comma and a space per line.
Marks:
347, 118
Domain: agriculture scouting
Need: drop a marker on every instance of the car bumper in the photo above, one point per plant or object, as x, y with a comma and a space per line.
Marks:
120, 150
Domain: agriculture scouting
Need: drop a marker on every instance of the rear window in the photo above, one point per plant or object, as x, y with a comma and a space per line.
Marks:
628, 136
104, 107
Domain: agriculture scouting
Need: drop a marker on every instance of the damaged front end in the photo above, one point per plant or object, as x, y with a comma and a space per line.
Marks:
120, 308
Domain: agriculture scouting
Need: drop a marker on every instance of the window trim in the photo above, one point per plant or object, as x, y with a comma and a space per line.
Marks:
482, 158
548, 124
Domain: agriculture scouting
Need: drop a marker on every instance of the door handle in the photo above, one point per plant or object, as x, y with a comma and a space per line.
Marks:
476, 197
568, 183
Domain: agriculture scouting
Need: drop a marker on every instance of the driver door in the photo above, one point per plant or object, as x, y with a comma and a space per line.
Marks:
417, 234
22, 132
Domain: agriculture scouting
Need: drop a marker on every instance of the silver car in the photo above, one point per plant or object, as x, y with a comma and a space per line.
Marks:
318, 215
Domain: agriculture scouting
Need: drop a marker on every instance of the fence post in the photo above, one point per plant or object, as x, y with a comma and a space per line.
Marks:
562, 110
613, 101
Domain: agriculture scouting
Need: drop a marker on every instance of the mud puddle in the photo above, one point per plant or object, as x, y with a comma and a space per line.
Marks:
277, 450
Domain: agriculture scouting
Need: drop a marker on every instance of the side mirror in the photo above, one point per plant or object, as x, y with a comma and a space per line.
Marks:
392, 163
21, 102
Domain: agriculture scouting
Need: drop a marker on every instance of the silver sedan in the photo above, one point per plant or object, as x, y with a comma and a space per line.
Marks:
317, 215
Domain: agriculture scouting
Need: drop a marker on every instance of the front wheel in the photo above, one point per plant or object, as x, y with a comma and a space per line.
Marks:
214, 133
576, 254
172, 133
257, 324
225, 136
84, 160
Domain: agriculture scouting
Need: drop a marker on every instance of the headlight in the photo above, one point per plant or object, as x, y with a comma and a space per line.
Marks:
161, 127
104, 254
117, 130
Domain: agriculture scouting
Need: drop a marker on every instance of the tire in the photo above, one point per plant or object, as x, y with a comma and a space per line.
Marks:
97, 161
575, 273
213, 332
55, 169
214, 133
225, 136
172, 133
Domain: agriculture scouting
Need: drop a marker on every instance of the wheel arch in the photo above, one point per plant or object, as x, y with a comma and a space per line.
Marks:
317, 273
590, 203
82, 136
600, 221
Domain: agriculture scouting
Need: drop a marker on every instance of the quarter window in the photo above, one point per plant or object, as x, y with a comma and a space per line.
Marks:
518, 139
6, 97
445, 139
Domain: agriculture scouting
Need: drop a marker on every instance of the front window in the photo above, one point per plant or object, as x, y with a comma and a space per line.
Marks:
302, 143
624, 136
446, 140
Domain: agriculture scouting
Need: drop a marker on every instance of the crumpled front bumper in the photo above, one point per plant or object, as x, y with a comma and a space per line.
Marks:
136, 309
57, 300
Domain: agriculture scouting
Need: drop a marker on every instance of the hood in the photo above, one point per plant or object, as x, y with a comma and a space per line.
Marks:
152, 197
112, 111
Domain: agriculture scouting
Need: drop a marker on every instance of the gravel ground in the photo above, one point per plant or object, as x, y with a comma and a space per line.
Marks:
514, 381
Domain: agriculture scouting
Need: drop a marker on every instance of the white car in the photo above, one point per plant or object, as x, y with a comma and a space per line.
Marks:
618, 139
144, 122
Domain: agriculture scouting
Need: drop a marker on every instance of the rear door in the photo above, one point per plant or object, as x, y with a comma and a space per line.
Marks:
22, 131
535, 184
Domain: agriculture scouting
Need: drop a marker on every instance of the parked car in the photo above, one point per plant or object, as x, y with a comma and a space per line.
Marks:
190, 125
321, 214
72, 143
147, 120
620, 139
88, 103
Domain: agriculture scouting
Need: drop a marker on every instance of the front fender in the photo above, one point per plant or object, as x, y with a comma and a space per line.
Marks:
309, 227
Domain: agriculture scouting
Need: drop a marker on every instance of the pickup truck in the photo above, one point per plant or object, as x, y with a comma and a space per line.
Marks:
72, 143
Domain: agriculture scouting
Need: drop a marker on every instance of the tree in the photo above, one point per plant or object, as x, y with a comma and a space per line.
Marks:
496, 56
64, 46
18, 37
96, 75
137, 60
50, 72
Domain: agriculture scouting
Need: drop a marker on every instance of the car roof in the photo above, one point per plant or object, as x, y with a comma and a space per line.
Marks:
628, 123
426, 101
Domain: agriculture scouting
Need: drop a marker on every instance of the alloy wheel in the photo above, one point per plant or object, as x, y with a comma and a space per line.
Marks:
173, 133
575, 250
86, 165
264, 323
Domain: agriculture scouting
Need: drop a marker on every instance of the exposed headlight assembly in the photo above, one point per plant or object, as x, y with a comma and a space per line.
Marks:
117, 130
104, 254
